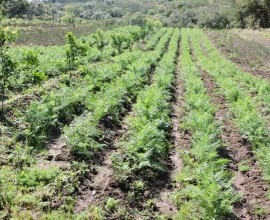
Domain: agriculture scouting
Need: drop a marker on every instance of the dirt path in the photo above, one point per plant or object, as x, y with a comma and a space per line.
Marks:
58, 155
248, 177
95, 189
180, 141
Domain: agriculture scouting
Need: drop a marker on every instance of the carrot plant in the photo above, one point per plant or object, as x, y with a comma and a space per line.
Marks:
206, 190
152, 43
146, 145
110, 102
59, 107
249, 120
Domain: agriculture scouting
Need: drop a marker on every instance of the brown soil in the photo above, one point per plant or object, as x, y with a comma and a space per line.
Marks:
180, 141
249, 183
95, 189
256, 72
250, 57
58, 155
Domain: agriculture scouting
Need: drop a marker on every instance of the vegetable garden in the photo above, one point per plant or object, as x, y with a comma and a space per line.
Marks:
132, 123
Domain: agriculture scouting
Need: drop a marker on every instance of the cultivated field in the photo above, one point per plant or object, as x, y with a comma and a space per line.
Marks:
138, 123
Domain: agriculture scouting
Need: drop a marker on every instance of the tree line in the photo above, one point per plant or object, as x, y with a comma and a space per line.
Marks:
207, 13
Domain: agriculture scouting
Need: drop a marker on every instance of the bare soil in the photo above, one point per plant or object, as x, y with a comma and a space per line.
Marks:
181, 141
250, 56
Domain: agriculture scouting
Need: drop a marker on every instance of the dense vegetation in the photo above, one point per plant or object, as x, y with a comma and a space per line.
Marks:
141, 113
212, 14
90, 129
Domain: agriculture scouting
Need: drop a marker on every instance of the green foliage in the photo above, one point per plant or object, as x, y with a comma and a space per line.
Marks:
253, 13
7, 65
30, 68
111, 204
238, 88
34, 177
84, 138
110, 102
38, 76
117, 41
57, 109
74, 50
206, 187
8, 187
30, 59
146, 145
99, 39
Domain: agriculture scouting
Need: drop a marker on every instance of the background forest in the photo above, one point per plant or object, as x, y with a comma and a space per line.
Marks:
180, 13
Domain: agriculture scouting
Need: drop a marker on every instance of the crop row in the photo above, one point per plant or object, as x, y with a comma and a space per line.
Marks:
238, 87
35, 64
150, 45
147, 142
205, 190
108, 104
58, 108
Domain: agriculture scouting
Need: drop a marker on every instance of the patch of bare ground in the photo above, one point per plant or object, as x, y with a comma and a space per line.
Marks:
58, 155
248, 179
181, 141
252, 58
97, 186
253, 35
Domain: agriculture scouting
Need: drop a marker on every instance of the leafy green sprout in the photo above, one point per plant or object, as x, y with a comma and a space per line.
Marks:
243, 167
111, 204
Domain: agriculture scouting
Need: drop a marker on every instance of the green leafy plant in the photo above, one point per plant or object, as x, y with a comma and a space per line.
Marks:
74, 50
99, 40
206, 190
7, 65
117, 41
111, 204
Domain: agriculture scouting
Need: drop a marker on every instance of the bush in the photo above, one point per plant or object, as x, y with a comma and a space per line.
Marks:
216, 20
189, 18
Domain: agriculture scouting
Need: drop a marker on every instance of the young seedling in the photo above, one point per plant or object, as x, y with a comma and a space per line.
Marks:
111, 204
243, 167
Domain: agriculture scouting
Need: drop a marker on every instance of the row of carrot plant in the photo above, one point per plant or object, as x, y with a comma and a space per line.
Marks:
147, 141
29, 191
34, 64
113, 99
205, 190
245, 94
59, 107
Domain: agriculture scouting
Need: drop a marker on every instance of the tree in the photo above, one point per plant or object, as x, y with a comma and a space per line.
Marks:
14, 8
256, 12
74, 50
7, 65
99, 39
